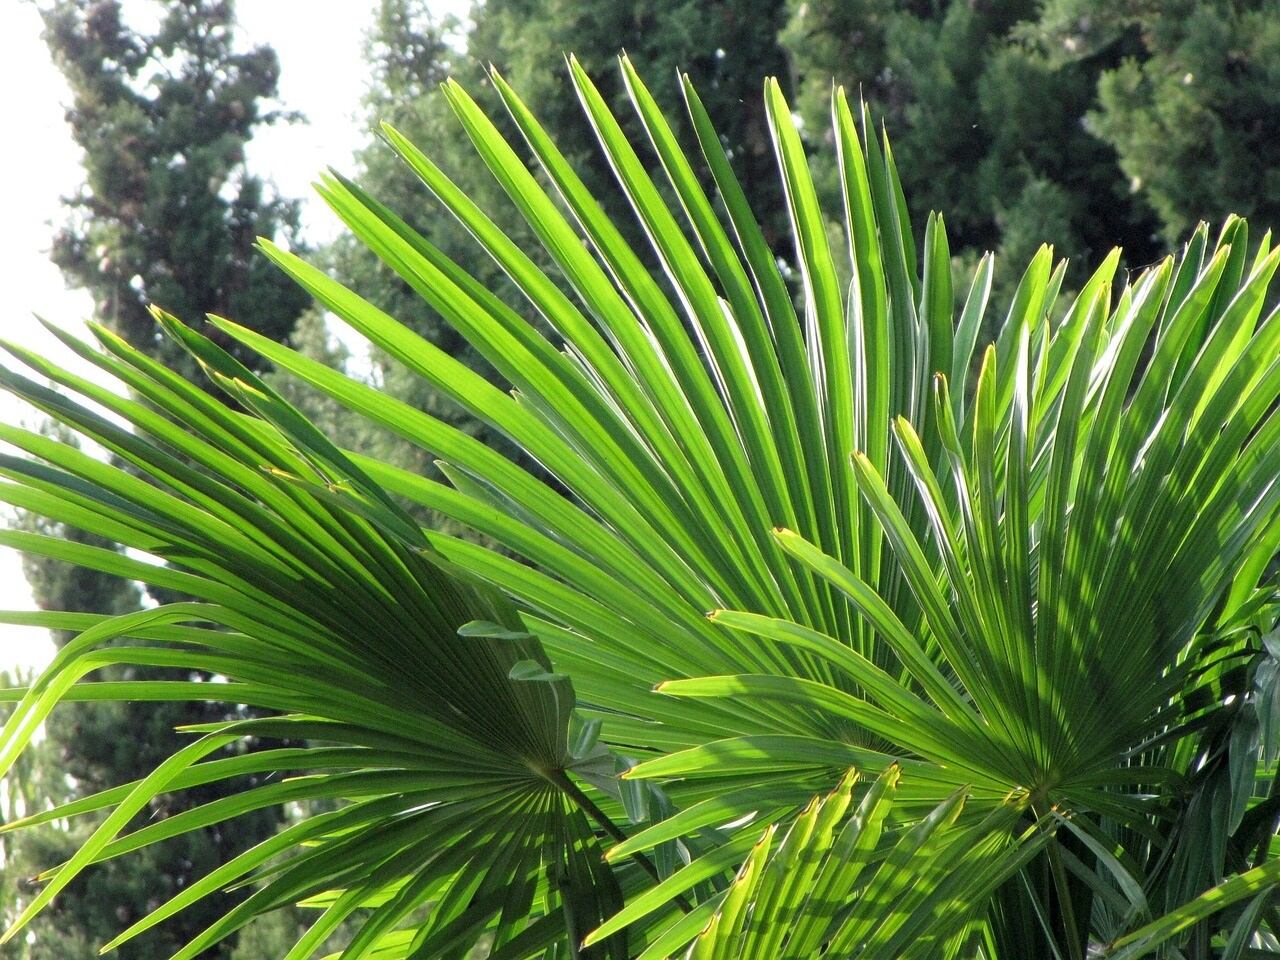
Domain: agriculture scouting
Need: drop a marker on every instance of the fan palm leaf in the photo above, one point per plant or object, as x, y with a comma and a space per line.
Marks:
439, 750
809, 893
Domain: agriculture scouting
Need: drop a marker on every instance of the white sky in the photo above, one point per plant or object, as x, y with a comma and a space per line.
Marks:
322, 74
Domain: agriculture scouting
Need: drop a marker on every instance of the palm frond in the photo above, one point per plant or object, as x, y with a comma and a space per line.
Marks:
435, 716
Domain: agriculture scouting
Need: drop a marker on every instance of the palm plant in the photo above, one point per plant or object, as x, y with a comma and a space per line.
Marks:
811, 645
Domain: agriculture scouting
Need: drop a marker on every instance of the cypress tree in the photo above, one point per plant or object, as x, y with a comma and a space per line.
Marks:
167, 214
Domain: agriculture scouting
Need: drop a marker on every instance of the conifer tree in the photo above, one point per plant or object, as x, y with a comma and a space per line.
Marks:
168, 213
989, 118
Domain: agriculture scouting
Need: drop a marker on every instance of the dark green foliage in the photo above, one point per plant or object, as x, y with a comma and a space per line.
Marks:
989, 122
1095, 122
168, 212
1195, 115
